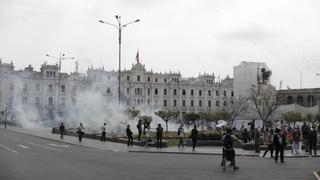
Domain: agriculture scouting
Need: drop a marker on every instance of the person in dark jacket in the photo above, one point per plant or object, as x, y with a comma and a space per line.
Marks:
80, 132
61, 130
103, 132
159, 136
194, 137
139, 127
305, 135
245, 135
228, 151
129, 136
279, 142
313, 141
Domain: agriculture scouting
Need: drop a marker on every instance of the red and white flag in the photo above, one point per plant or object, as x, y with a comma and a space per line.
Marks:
137, 57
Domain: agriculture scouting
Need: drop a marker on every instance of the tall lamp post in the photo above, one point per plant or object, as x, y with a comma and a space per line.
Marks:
60, 58
119, 26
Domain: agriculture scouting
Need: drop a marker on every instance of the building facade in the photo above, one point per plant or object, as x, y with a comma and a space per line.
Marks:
307, 97
49, 91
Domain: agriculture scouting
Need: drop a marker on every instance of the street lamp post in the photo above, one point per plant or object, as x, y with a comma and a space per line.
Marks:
119, 26
60, 58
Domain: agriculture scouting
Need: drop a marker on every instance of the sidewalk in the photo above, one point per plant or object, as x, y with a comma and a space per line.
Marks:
119, 147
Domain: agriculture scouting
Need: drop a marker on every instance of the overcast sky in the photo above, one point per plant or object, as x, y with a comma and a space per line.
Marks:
190, 36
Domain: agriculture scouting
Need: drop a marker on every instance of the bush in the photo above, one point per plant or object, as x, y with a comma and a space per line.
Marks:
208, 136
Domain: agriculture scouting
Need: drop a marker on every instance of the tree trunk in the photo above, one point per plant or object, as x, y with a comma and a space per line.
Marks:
166, 126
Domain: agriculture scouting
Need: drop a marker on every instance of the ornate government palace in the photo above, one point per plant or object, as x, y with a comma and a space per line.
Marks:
49, 91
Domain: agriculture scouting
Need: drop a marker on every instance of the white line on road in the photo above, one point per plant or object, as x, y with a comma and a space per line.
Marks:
45, 147
59, 145
22, 146
7, 148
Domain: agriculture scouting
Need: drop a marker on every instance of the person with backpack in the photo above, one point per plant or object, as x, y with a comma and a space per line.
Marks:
159, 136
181, 135
194, 137
61, 130
228, 151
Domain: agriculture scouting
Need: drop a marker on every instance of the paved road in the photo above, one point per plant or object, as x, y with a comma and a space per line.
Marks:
31, 158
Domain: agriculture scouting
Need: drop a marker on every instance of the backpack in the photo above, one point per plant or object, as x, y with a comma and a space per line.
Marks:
228, 142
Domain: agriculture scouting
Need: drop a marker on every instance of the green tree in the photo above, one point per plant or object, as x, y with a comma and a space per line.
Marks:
310, 119
167, 116
292, 117
190, 118
132, 113
317, 117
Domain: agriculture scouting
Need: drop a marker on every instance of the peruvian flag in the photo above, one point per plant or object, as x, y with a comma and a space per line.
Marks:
137, 57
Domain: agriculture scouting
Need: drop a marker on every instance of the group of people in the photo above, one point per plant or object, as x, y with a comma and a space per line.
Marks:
292, 136
159, 133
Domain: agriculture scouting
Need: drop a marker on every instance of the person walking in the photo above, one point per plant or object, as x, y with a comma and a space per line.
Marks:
296, 140
257, 140
228, 151
313, 141
80, 132
181, 135
245, 135
269, 143
61, 130
194, 137
305, 135
139, 127
129, 136
103, 132
279, 142
159, 136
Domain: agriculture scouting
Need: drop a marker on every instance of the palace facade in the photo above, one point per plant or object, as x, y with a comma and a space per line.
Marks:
50, 91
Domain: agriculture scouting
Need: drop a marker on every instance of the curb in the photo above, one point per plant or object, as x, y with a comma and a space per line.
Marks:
316, 175
213, 154
193, 153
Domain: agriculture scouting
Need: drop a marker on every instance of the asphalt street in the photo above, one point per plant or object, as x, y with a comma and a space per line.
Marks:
27, 157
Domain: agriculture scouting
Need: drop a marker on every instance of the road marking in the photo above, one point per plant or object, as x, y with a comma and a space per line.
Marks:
22, 146
43, 146
59, 145
7, 148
